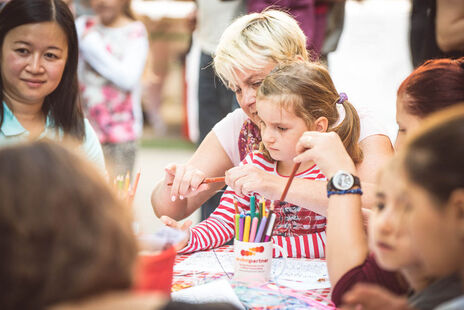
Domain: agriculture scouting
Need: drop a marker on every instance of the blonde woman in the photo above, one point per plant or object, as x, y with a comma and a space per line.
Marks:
248, 50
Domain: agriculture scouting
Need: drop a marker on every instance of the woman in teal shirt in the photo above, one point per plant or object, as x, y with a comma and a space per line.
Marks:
38, 85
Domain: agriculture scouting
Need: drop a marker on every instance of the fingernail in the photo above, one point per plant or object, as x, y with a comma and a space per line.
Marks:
181, 197
173, 198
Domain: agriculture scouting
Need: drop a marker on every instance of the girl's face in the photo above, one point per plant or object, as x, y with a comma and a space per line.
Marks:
280, 129
388, 235
108, 10
33, 58
406, 121
434, 232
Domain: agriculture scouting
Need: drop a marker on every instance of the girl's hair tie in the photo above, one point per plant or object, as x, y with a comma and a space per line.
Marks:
343, 97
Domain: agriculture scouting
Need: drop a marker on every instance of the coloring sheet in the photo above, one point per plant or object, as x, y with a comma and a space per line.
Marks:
300, 274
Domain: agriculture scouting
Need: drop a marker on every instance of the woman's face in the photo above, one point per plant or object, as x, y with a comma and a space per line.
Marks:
33, 60
406, 121
434, 232
388, 234
247, 87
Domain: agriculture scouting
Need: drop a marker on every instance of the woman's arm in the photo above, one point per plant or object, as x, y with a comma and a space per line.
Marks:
186, 194
346, 245
311, 194
450, 25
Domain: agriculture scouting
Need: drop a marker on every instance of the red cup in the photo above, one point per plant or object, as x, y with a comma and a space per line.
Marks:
154, 271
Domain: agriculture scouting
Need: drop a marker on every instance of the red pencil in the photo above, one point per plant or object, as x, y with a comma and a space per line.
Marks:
209, 180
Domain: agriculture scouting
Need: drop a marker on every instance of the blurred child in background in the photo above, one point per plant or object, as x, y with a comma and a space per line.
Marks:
113, 48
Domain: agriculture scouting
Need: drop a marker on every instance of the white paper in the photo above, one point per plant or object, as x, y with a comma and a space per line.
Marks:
302, 274
214, 291
299, 274
206, 261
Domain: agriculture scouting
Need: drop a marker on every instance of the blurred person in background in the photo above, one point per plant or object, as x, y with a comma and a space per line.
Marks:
215, 100
436, 30
113, 47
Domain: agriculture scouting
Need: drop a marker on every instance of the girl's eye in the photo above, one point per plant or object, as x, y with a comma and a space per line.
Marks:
282, 128
380, 206
257, 84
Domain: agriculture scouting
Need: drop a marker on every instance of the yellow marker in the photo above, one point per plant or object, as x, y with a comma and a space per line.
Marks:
246, 232
264, 207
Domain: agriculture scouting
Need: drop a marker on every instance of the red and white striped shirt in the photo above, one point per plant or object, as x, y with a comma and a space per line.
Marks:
299, 231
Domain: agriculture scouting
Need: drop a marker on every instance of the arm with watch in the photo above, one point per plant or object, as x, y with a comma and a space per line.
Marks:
346, 245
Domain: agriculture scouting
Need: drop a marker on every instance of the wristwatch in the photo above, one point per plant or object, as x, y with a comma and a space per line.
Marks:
343, 182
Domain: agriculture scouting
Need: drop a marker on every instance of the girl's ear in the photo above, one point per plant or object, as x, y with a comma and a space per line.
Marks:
457, 203
321, 124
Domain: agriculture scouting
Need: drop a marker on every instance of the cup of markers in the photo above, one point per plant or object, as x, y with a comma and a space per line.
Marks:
253, 244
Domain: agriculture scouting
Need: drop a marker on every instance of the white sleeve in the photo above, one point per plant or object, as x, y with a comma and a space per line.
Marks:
124, 73
227, 131
370, 123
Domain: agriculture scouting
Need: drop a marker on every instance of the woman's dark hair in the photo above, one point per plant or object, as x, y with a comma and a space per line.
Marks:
63, 103
433, 158
64, 234
433, 86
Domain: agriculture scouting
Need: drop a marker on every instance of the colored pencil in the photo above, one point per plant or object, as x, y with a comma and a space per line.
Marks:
241, 224
259, 235
254, 227
253, 206
246, 230
237, 226
270, 227
209, 180
290, 179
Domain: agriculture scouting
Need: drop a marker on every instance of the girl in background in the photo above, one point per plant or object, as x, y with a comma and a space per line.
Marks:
38, 86
292, 99
113, 48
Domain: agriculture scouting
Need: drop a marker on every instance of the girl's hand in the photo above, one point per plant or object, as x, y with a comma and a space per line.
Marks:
326, 150
176, 225
246, 179
373, 297
185, 181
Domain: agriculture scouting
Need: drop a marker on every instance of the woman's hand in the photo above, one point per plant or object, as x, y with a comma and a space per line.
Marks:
185, 181
176, 225
326, 150
246, 179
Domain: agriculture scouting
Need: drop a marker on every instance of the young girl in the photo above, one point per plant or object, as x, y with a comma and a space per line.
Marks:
113, 47
292, 99
38, 85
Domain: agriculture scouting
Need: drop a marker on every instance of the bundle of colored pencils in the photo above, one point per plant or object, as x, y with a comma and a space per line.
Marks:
124, 188
256, 226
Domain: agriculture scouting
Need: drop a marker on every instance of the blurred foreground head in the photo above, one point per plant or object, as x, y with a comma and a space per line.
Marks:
64, 235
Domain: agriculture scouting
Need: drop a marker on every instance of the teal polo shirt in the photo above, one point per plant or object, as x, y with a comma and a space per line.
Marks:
13, 132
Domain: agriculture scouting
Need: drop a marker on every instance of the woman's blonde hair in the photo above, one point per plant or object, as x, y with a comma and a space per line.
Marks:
307, 89
255, 40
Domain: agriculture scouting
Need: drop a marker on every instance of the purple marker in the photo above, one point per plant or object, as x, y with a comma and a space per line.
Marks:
270, 228
259, 235
241, 226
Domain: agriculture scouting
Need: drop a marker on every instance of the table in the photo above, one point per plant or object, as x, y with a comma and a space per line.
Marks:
274, 295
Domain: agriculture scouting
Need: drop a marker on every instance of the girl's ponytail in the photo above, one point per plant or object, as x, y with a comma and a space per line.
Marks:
348, 128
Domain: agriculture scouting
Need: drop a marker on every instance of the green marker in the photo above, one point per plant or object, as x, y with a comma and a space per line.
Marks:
252, 206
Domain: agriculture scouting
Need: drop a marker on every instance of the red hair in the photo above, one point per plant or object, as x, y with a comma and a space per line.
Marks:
436, 84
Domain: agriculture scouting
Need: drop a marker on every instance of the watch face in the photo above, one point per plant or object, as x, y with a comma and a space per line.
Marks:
343, 181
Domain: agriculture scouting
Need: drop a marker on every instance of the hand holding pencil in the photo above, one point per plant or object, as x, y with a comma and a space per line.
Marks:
185, 181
